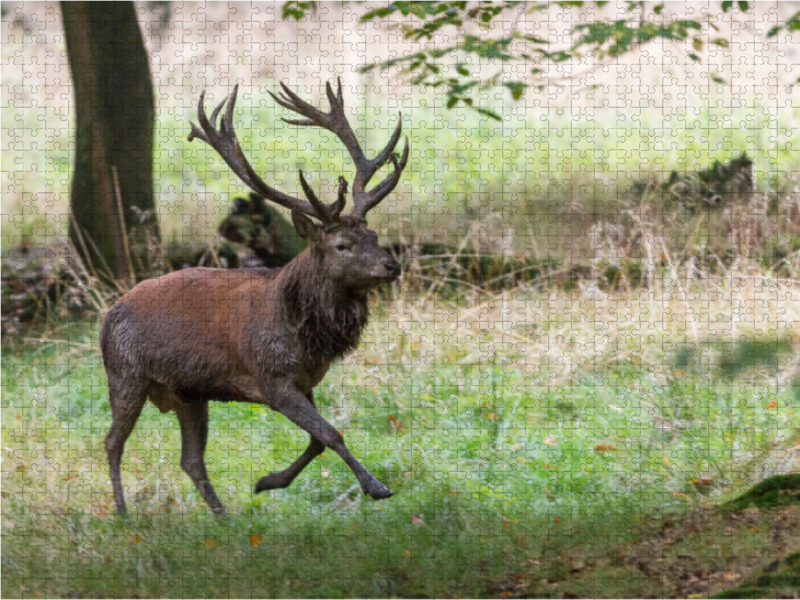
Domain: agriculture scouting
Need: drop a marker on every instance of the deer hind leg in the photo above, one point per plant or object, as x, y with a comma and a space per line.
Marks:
127, 399
283, 479
193, 418
296, 407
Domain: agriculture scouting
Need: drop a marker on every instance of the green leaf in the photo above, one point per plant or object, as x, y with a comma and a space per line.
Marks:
726, 6
793, 24
560, 56
773, 32
694, 57
296, 9
718, 79
517, 89
534, 39
743, 6
489, 113
658, 8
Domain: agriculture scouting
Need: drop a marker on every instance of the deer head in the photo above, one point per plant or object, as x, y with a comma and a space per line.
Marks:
340, 244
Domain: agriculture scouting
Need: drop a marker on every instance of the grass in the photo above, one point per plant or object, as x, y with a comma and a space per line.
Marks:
559, 439
534, 442
539, 154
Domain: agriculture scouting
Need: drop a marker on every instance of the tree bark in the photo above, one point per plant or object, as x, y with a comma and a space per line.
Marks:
114, 136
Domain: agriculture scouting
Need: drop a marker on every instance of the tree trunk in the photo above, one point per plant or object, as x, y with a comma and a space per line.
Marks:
114, 145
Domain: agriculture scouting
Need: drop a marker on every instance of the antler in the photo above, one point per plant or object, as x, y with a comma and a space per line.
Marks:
224, 141
336, 122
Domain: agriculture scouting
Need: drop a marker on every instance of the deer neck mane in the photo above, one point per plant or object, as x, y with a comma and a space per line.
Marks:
329, 317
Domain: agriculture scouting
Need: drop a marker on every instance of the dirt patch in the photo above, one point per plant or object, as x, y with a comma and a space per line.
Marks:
750, 553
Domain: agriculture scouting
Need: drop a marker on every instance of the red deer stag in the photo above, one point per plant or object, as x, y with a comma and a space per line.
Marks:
254, 335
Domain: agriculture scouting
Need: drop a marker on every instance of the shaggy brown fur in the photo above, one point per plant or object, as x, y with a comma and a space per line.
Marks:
246, 335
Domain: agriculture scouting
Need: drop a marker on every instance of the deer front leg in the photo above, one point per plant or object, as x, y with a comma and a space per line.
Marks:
297, 408
283, 479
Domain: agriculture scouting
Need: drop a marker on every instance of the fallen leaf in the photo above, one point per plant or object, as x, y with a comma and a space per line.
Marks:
210, 543
773, 404
522, 460
604, 448
135, 539
703, 482
550, 440
556, 520
417, 521
408, 553
255, 540
491, 416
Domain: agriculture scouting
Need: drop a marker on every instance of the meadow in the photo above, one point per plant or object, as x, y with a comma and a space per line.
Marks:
572, 433
535, 442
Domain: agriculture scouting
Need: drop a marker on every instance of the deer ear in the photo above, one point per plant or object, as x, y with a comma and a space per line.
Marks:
306, 228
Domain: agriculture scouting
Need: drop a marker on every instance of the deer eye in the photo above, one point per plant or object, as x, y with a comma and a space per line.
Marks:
342, 247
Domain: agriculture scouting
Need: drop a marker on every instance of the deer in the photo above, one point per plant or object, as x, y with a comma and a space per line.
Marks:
257, 335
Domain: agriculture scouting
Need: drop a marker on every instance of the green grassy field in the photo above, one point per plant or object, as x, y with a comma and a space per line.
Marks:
577, 435
534, 442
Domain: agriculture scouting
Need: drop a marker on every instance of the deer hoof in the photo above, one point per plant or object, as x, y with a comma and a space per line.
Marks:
273, 481
380, 493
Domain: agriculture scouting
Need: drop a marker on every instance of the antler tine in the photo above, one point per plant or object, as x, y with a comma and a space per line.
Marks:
340, 200
201, 116
298, 105
214, 114
289, 100
224, 141
336, 101
379, 160
336, 122
339, 95
366, 201
227, 119
331, 211
312, 197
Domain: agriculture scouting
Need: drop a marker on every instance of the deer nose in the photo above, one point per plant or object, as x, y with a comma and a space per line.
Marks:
392, 267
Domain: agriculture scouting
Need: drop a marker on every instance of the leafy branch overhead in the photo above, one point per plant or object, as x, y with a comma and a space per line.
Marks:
453, 67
